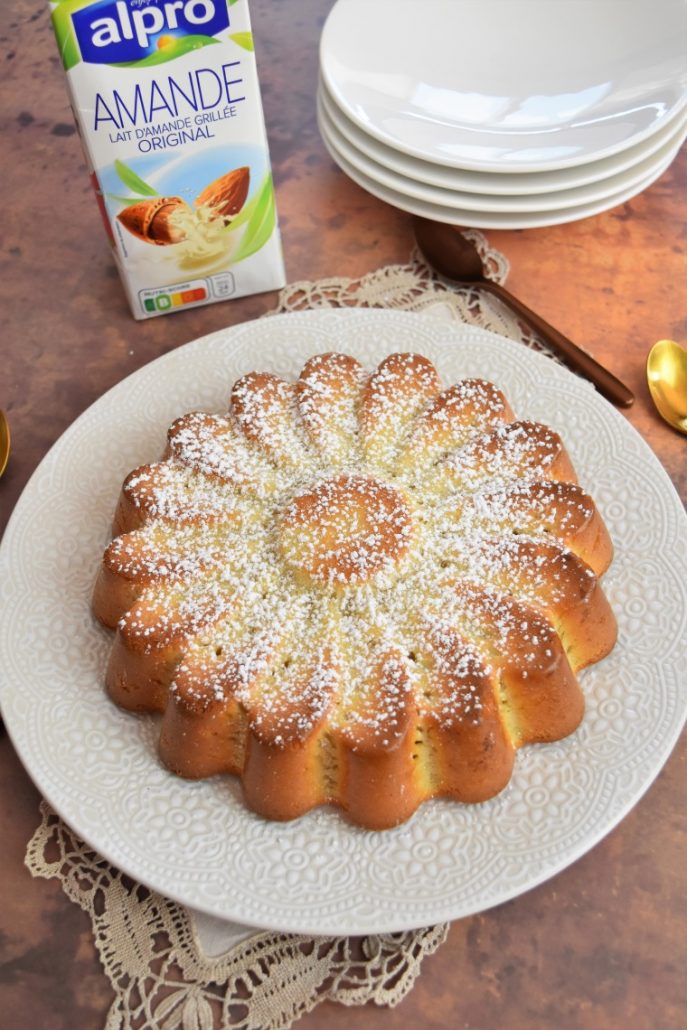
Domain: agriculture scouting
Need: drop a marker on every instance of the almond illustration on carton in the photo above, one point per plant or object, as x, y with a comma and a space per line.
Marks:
226, 195
157, 220
152, 221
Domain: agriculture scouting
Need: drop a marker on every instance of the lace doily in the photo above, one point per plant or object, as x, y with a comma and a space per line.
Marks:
174, 970
162, 979
417, 287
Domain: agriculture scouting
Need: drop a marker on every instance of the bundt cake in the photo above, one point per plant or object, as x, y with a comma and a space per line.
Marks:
359, 589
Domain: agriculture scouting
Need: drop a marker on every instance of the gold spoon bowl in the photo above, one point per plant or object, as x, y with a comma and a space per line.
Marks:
4, 441
666, 374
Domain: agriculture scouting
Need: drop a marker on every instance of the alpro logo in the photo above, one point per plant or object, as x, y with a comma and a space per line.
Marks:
128, 31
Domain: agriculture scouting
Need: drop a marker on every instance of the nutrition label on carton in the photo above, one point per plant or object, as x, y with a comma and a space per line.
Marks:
188, 294
168, 103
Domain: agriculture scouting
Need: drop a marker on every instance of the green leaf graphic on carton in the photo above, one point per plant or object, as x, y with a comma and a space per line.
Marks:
263, 232
260, 219
170, 51
124, 201
66, 40
134, 182
243, 39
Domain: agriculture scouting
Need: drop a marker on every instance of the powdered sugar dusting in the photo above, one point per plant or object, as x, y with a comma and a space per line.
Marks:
354, 548
347, 530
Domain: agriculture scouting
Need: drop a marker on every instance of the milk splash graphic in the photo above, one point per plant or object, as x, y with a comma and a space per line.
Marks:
167, 99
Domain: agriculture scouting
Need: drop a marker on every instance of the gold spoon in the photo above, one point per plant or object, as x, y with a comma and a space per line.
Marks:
4, 441
666, 374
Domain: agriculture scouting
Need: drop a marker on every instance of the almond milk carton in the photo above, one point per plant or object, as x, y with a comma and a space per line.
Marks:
166, 97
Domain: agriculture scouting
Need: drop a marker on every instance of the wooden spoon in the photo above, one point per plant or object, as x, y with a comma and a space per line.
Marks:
455, 257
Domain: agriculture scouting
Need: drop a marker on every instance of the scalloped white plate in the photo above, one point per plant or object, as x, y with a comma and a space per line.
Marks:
196, 842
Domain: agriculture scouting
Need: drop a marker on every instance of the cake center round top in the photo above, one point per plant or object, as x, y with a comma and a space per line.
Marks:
345, 531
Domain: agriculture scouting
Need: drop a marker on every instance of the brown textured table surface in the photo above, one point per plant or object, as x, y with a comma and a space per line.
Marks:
602, 945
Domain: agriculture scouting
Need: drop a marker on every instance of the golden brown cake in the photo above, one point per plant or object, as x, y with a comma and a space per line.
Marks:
359, 589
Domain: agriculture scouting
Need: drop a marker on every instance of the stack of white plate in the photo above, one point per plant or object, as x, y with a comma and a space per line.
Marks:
504, 113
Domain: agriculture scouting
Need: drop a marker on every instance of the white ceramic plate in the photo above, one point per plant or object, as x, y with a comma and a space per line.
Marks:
513, 184
483, 203
196, 842
499, 86
452, 214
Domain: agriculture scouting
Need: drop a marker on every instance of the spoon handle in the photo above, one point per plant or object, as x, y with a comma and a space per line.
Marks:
577, 359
